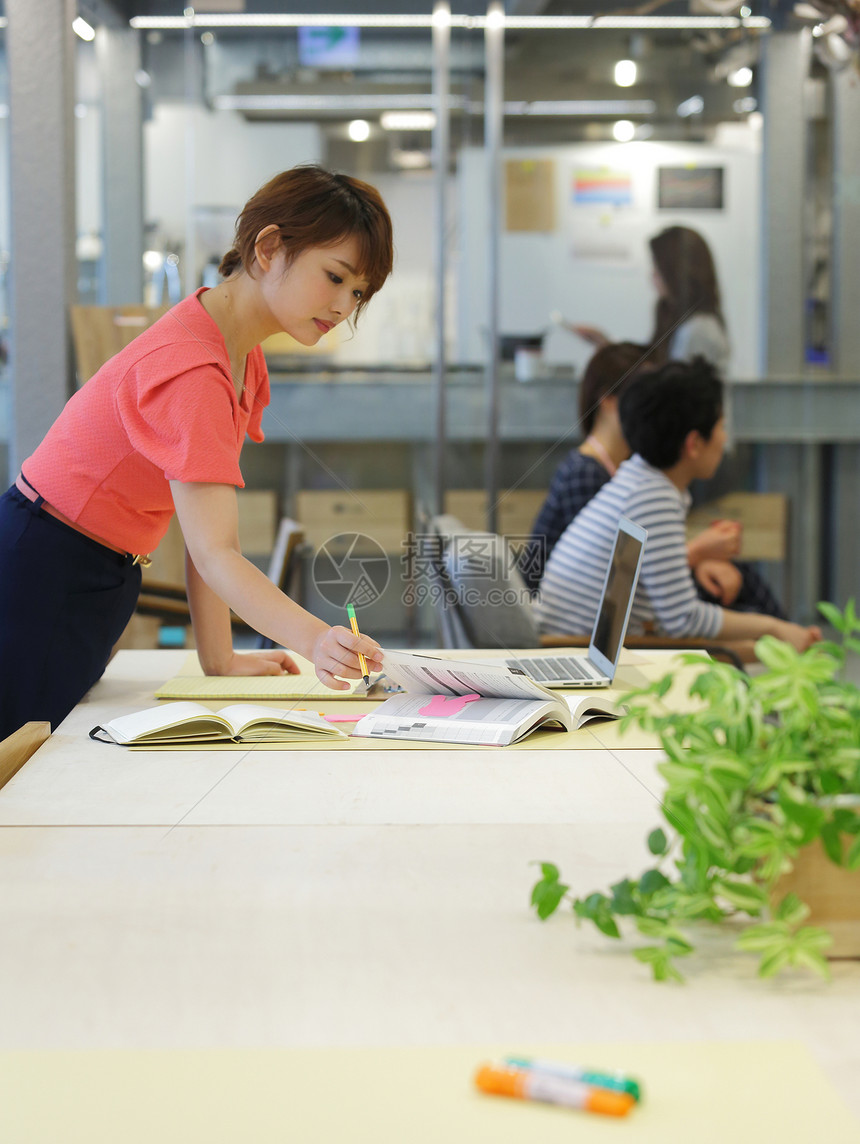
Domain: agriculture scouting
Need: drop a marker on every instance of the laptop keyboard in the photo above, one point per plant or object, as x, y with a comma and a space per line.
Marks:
560, 667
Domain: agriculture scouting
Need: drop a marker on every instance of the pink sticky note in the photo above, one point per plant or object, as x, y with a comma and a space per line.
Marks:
445, 705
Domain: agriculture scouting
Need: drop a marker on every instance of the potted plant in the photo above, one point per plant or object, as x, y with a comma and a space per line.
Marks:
762, 772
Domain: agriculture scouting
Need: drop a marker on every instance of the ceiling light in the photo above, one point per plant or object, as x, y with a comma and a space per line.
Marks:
581, 107
493, 18
623, 130
358, 130
625, 73
695, 105
83, 29
740, 77
408, 120
745, 106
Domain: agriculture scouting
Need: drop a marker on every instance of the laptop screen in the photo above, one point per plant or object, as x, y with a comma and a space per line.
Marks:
619, 588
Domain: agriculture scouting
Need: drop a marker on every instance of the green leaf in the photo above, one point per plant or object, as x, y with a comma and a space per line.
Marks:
546, 897
651, 881
550, 873
623, 901
852, 858
771, 963
744, 895
791, 910
652, 927
811, 960
657, 842
761, 938
831, 840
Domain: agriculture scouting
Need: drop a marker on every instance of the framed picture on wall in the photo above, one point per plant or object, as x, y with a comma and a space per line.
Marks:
690, 188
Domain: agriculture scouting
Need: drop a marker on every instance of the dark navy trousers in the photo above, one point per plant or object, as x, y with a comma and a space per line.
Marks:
64, 602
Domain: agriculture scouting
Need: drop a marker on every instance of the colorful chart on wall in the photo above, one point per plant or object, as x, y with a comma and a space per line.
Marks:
603, 218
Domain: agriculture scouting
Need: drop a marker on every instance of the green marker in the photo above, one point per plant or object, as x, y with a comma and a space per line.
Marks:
615, 1081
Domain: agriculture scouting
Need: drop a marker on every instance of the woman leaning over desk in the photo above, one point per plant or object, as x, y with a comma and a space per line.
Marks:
160, 428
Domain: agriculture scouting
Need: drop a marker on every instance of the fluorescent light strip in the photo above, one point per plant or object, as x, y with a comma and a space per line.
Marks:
521, 23
336, 103
582, 107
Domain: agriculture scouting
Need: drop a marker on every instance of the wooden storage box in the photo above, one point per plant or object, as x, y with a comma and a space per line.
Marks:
516, 510
764, 517
383, 515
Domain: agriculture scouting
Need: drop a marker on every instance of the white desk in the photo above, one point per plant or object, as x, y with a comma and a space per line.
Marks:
290, 899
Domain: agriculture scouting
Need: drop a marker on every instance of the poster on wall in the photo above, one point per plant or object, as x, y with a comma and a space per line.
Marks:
603, 218
690, 188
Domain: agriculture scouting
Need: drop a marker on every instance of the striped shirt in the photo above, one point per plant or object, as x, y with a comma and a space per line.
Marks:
666, 596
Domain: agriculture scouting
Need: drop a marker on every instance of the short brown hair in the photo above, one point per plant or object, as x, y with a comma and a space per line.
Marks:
314, 207
609, 371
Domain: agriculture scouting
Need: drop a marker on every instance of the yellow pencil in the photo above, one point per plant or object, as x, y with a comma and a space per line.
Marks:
353, 623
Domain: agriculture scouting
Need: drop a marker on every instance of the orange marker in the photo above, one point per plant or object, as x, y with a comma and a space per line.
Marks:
526, 1085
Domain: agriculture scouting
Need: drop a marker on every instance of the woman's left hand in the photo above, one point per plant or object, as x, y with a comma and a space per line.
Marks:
274, 662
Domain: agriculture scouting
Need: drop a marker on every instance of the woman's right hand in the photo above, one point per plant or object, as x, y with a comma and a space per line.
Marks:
335, 654
589, 334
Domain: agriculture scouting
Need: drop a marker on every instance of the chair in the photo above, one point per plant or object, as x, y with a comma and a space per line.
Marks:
99, 332
17, 748
482, 601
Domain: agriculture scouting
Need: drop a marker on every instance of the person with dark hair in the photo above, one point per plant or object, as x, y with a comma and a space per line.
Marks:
673, 421
688, 316
159, 428
589, 467
586, 469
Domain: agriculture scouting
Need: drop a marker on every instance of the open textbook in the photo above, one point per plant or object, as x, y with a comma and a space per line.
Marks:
458, 701
178, 723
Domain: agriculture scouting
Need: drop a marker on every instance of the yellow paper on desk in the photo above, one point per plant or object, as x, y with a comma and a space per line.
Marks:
191, 683
702, 1092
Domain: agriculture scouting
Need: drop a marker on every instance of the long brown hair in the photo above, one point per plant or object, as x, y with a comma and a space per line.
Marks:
314, 207
683, 260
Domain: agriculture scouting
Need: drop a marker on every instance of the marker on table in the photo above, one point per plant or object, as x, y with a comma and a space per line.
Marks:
616, 1081
353, 623
525, 1084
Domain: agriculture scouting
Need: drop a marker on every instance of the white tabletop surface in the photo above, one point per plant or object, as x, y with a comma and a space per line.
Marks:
194, 900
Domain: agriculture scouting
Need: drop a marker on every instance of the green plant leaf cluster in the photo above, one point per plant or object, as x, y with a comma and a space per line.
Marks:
764, 766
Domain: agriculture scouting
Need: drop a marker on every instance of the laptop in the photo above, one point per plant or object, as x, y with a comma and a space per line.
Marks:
597, 668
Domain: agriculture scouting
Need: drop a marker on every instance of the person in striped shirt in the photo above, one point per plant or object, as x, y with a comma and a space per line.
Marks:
673, 421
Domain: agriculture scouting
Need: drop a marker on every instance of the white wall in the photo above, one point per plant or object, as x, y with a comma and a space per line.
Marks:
570, 269
200, 167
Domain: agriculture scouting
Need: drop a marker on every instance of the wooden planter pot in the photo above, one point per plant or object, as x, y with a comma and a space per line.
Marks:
832, 893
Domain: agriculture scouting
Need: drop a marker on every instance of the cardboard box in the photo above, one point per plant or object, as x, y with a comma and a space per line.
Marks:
258, 518
382, 515
764, 517
516, 510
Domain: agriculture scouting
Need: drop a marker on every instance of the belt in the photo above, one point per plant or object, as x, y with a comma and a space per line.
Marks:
24, 487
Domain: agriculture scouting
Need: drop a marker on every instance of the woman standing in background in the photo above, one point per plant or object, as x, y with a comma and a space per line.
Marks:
688, 316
